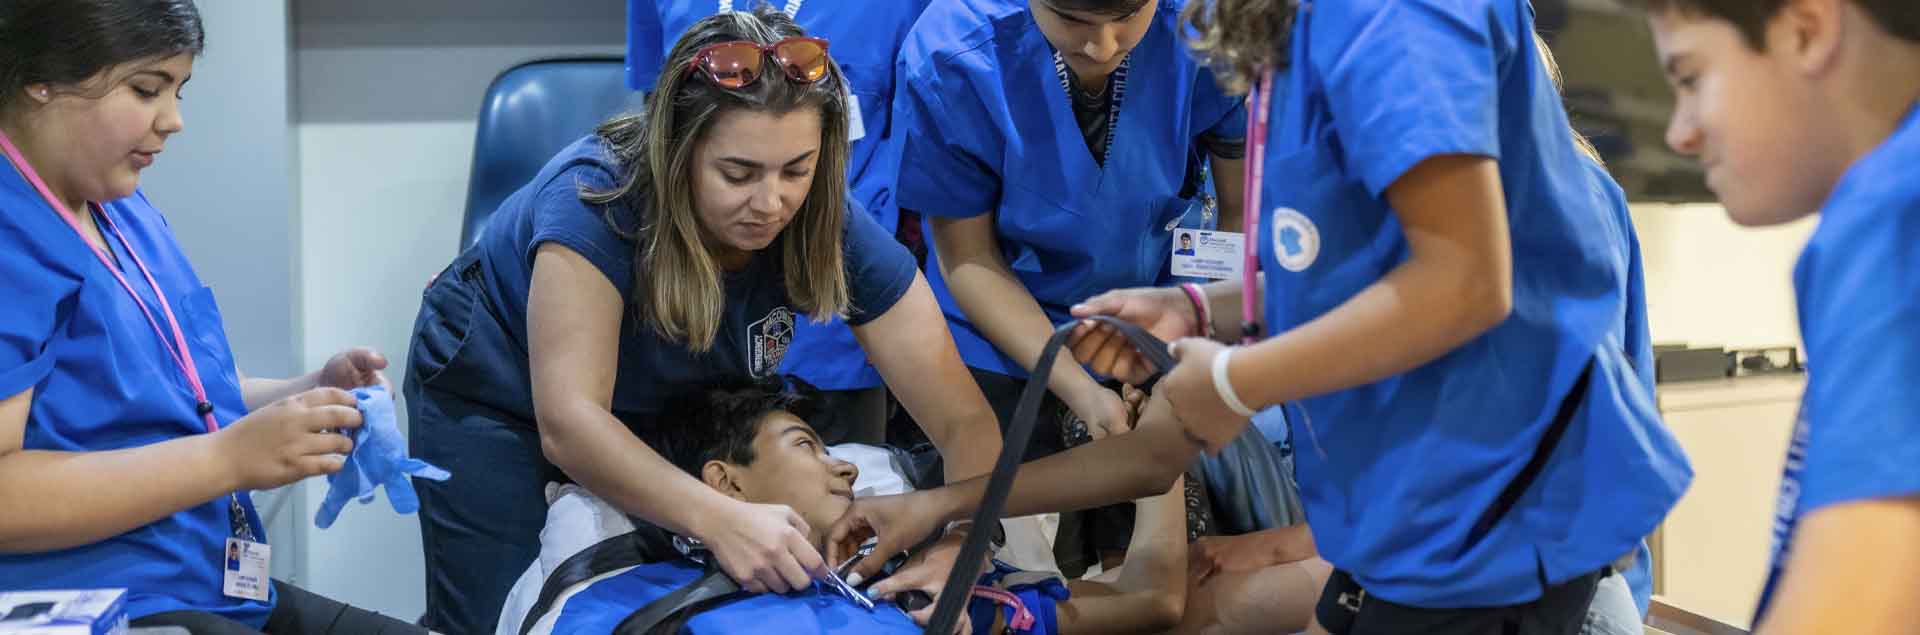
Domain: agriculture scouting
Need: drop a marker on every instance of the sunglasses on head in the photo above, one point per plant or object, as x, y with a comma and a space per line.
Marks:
738, 64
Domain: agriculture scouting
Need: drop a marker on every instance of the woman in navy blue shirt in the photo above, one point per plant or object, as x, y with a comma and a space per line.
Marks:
672, 249
866, 37
128, 439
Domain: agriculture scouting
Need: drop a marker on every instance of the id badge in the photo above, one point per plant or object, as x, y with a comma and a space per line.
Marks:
246, 564
1214, 255
856, 123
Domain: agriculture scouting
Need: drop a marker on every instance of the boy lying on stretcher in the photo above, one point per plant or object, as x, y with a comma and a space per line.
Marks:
757, 447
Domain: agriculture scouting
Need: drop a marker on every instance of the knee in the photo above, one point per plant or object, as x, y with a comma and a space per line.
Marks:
1166, 609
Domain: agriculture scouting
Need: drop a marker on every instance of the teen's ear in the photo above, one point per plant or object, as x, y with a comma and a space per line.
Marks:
1810, 33
721, 477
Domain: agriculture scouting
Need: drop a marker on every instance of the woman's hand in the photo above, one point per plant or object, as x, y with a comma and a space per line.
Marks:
898, 522
289, 439
764, 548
1164, 312
927, 572
354, 368
1196, 403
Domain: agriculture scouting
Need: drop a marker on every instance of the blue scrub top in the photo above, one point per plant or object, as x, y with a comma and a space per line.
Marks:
988, 128
1396, 473
863, 38
1858, 288
477, 308
103, 380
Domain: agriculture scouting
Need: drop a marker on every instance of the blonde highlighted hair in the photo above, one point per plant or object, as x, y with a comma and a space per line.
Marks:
678, 290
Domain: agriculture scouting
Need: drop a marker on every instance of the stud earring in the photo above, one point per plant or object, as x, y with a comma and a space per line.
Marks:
43, 93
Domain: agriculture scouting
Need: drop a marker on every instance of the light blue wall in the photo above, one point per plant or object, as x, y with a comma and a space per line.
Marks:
226, 184
386, 97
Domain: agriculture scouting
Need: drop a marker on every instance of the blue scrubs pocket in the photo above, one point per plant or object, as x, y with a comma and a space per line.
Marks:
1322, 238
1026, 216
868, 83
207, 334
1038, 238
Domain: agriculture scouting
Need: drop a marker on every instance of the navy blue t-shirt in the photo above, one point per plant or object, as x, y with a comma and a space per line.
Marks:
757, 320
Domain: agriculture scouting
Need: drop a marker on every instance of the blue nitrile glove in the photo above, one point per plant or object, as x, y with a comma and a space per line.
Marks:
379, 457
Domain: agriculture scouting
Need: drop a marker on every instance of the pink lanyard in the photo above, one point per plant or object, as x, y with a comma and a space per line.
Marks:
1253, 171
177, 347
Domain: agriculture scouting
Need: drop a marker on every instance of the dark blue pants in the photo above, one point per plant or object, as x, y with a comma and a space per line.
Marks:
481, 528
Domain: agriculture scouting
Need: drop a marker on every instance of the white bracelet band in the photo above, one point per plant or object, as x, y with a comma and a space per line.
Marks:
1224, 386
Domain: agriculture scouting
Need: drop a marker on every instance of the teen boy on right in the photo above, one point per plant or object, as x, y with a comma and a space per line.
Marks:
1804, 106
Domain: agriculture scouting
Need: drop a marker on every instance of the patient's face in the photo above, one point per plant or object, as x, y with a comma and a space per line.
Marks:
791, 467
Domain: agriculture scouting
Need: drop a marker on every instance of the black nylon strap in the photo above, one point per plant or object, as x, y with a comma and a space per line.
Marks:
644, 545
670, 612
973, 552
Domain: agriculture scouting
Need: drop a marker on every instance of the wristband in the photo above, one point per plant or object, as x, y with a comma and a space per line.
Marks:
1200, 308
1224, 387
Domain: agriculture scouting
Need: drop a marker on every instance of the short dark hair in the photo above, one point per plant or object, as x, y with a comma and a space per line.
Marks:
1114, 8
65, 42
1900, 18
720, 423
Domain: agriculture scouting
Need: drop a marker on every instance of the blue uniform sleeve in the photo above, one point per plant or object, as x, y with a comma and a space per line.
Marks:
879, 269
38, 291
560, 217
1860, 304
1218, 115
1407, 80
946, 141
645, 49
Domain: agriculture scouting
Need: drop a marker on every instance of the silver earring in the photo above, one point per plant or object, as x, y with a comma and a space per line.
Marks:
43, 93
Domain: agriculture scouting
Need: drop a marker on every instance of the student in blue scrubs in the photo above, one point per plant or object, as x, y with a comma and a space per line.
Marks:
1814, 105
128, 440
865, 36
1053, 147
1447, 293
611, 281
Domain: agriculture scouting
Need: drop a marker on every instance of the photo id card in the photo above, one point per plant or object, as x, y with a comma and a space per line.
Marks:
245, 564
1214, 255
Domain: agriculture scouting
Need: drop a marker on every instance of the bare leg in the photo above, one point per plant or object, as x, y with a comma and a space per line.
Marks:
1276, 599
